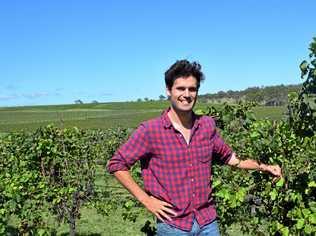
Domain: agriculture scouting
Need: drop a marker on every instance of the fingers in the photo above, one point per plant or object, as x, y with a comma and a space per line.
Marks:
275, 179
164, 215
168, 210
275, 170
166, 204
278, 171
162, 210
159, 217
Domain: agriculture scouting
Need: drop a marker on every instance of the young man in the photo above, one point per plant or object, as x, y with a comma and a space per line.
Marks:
176, 151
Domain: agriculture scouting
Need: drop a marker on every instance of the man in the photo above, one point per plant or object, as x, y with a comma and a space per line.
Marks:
176, 151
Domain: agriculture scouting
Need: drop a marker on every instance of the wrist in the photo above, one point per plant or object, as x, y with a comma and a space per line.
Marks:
238, 164
262, 167
144, 200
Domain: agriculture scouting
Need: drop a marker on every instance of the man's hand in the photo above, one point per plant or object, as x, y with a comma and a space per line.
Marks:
159, 208
255, 165
272, 169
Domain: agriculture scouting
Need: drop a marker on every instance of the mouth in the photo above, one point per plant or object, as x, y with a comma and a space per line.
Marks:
186, 102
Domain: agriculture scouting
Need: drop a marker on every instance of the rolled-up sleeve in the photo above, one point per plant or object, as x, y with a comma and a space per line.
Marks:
133, 150
221, 150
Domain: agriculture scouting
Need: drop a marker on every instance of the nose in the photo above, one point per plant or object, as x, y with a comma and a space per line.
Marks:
187, 93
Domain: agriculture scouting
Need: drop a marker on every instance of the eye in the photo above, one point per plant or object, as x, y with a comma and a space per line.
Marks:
193, 89
180, 88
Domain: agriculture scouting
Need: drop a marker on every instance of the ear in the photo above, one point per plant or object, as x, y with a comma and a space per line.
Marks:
168, 92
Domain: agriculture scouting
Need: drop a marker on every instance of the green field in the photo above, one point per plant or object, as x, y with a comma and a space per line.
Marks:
97, 116
101, 116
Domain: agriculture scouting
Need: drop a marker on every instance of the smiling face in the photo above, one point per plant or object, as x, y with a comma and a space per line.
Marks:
183, 94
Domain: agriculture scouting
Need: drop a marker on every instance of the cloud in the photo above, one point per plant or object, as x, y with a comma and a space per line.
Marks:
34, 95
56, 92
8, 97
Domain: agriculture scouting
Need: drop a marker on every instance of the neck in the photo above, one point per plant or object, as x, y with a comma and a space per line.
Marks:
184, 119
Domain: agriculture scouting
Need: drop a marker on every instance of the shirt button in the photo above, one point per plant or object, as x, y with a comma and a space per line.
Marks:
191, 164
193, 194
192, 180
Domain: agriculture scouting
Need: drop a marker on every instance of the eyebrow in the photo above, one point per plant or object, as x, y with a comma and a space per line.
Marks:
183, 87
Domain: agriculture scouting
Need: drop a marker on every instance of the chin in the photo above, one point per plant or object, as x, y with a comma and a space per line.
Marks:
185, 109
182, 108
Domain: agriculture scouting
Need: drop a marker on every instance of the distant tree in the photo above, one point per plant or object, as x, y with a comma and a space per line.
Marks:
221, 94
146, 99
162, 97
94, 102
139, 99
78, 101
276, 95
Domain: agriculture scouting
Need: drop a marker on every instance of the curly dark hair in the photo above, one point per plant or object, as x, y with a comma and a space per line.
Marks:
183, 68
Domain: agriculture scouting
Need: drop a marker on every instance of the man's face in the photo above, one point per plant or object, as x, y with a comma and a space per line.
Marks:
183, 93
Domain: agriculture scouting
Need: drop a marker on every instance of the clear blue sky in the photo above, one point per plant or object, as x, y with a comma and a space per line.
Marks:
54, 52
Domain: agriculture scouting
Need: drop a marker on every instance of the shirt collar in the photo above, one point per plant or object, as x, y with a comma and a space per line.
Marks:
167, 122
165, 118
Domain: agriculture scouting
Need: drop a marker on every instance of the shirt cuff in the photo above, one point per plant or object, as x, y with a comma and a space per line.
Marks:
229, 157
116, 165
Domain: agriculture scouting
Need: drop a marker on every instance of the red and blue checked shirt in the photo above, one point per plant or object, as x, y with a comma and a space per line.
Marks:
174, 171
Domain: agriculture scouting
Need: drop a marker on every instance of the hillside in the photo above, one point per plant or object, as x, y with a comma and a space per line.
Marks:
265, 95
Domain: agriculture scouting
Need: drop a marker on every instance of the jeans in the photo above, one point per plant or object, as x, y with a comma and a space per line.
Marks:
210, 229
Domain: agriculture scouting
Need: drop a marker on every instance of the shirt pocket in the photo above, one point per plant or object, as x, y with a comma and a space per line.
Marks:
205, 153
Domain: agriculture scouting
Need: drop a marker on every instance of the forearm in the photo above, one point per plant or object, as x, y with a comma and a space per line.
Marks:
255, 165
248, 164
129, 183
251, 165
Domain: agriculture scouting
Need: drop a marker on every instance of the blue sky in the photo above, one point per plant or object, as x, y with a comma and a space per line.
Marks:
55, 52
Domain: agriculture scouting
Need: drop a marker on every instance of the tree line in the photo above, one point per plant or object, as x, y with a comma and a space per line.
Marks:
265, 95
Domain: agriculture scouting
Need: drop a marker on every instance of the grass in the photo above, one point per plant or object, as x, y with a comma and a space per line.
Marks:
97, 116
87, 120
273, 113
92, 223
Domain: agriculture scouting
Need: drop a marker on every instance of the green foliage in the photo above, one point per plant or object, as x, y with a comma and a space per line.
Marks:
253, 199
22, 189
231, 117
55, 169
302, 106
52, 170
66, 159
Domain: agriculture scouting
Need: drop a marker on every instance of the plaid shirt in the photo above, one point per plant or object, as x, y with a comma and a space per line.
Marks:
174, 171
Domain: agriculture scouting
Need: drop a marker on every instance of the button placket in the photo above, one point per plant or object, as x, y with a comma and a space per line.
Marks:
192, 179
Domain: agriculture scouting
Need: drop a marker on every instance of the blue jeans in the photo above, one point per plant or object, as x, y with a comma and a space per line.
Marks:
210, 229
